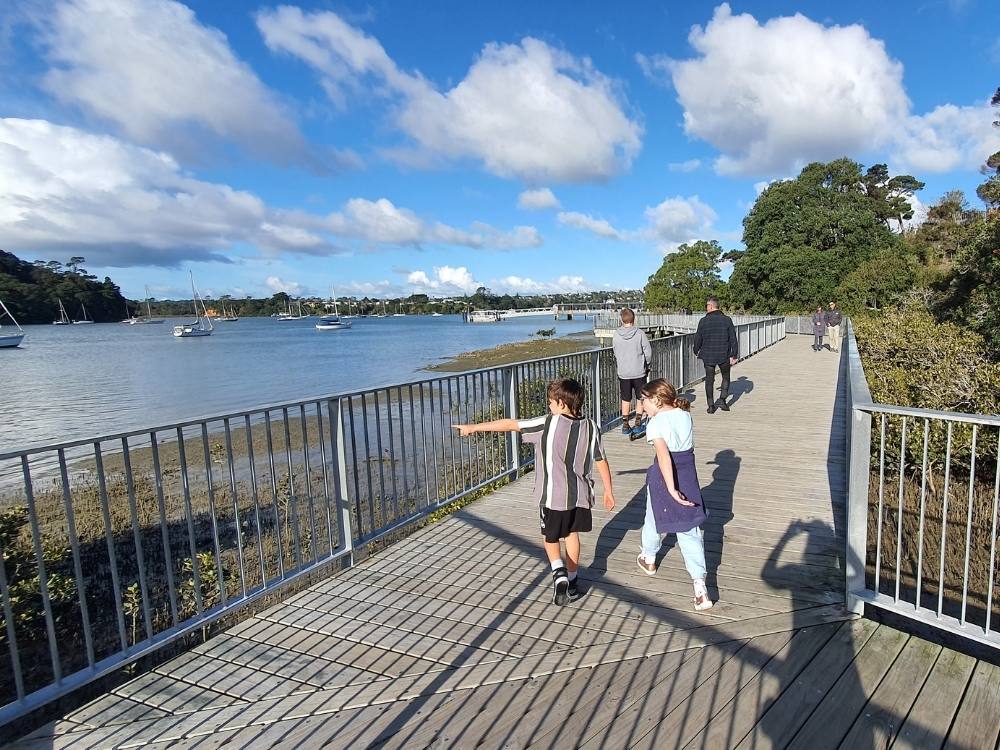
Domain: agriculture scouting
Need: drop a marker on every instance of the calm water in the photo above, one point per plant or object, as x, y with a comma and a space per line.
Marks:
80, 381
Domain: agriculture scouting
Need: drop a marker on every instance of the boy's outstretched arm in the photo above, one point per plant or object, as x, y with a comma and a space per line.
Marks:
497, 425
605, 471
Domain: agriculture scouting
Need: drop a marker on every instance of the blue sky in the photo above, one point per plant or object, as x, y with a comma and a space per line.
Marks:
391, 148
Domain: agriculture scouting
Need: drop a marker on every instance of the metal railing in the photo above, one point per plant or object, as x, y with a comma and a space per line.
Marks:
669, 321
114, 546
923, 490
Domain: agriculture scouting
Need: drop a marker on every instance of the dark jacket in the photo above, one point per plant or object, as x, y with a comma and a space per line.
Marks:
834, 317
819, 324
715, 341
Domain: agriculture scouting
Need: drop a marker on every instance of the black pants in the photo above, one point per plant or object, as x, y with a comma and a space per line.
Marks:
710, 382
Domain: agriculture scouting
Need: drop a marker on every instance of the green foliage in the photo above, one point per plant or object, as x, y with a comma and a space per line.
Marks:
546, 332
32, 291
686, 278
804, 236
877, 283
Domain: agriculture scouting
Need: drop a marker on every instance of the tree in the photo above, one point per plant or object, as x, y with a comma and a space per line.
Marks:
877, 283
686, 278
804, 236
74, 263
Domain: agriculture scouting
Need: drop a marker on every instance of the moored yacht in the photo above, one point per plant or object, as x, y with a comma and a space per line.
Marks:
202, 325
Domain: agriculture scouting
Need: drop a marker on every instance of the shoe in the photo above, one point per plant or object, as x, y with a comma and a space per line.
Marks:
647, 568
638, 432
560, 585
722, 405
711, 409
573, 591
626, 427
702, 600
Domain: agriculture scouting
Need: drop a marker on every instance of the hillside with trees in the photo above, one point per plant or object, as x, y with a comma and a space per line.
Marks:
32, 290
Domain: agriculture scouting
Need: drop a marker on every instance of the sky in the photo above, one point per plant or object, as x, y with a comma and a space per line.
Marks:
386, 149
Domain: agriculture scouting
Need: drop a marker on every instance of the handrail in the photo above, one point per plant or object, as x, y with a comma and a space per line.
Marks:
113, 546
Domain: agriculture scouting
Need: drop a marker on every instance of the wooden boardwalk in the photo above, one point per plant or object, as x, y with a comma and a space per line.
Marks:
449, 639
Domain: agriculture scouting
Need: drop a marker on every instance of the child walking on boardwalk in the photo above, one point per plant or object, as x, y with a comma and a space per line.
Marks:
567, 449
673, 496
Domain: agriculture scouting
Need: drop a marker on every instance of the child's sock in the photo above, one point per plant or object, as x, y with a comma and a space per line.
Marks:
557, 563
571, 575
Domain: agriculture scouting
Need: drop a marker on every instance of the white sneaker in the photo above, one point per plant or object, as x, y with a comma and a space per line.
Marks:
702, 600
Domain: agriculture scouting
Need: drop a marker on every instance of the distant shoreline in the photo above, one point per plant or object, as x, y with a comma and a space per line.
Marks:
519, 351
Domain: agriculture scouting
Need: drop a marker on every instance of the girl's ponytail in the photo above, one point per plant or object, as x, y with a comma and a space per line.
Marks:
682, 403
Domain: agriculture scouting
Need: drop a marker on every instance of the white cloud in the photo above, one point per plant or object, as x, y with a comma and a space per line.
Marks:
600, 227
166, 80
382, 222
527, 285
276, 284
771, 96
920, 211
63, 190
947, 138
685, 166
523, 110
444, 280
536, 200
678, 220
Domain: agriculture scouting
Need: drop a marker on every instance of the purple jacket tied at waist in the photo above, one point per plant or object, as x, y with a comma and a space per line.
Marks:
671, 516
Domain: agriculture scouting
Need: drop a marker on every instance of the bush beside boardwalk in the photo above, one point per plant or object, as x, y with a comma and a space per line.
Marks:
284, 518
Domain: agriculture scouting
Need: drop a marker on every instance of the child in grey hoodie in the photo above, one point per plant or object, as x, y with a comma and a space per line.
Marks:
633, 356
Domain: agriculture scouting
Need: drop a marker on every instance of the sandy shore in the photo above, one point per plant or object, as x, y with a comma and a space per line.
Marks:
519, 351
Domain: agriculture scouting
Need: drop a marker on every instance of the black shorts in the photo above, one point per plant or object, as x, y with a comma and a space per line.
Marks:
628, 386
559, 524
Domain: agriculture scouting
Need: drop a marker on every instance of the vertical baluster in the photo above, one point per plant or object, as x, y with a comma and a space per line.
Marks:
354, 463
881, 498
140, 557
944, 519
404, 460
74, 542
102, 487
8, 620
327, 496
899, 519
392, 455
368, 465
920, 527
968, 523
43, 578
279, 542
413, 443
254, 490
216, 545
309, 493
451, 441
423, 440
338, 455
230, 464
383, 494
293, 496
993, 540
436, 439
168, 562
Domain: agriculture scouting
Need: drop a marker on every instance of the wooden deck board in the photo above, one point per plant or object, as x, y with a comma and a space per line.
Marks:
449, 638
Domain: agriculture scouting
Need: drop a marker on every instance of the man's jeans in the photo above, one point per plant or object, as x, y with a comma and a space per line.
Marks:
835, 338
691, 543
710, 382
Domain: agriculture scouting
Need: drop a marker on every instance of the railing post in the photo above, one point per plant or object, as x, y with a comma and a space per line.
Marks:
510, 411
595, 379
345, 528
859, 433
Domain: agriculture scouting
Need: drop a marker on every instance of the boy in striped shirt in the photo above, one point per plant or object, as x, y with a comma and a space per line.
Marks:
567, 450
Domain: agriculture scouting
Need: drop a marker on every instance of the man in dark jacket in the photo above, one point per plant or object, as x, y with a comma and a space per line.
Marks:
716, 345
833, 320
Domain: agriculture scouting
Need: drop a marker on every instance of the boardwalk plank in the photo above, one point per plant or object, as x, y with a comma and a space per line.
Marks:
976, 724
931, 716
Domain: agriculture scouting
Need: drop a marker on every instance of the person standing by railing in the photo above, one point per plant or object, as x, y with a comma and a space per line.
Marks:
633, 355
819, 328
567, 450
716, 345
833, 320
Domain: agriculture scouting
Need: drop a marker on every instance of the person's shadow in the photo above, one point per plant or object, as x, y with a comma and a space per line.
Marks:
738, 388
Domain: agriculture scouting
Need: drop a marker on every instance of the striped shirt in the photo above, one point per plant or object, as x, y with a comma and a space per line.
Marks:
565, 452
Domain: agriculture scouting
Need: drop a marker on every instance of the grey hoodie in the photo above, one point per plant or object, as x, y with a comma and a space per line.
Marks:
632, 352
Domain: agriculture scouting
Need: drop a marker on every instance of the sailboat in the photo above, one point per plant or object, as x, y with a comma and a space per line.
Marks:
350, 309
63, 317
380, 314
399, 312
10, 340
288, 315
229, 316
149, 319
85, 320
332, 322
202, 325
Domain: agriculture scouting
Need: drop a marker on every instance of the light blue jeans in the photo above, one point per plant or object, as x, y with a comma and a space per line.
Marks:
691, 543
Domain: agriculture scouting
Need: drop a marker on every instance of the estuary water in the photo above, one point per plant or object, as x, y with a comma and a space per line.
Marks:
71, 382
